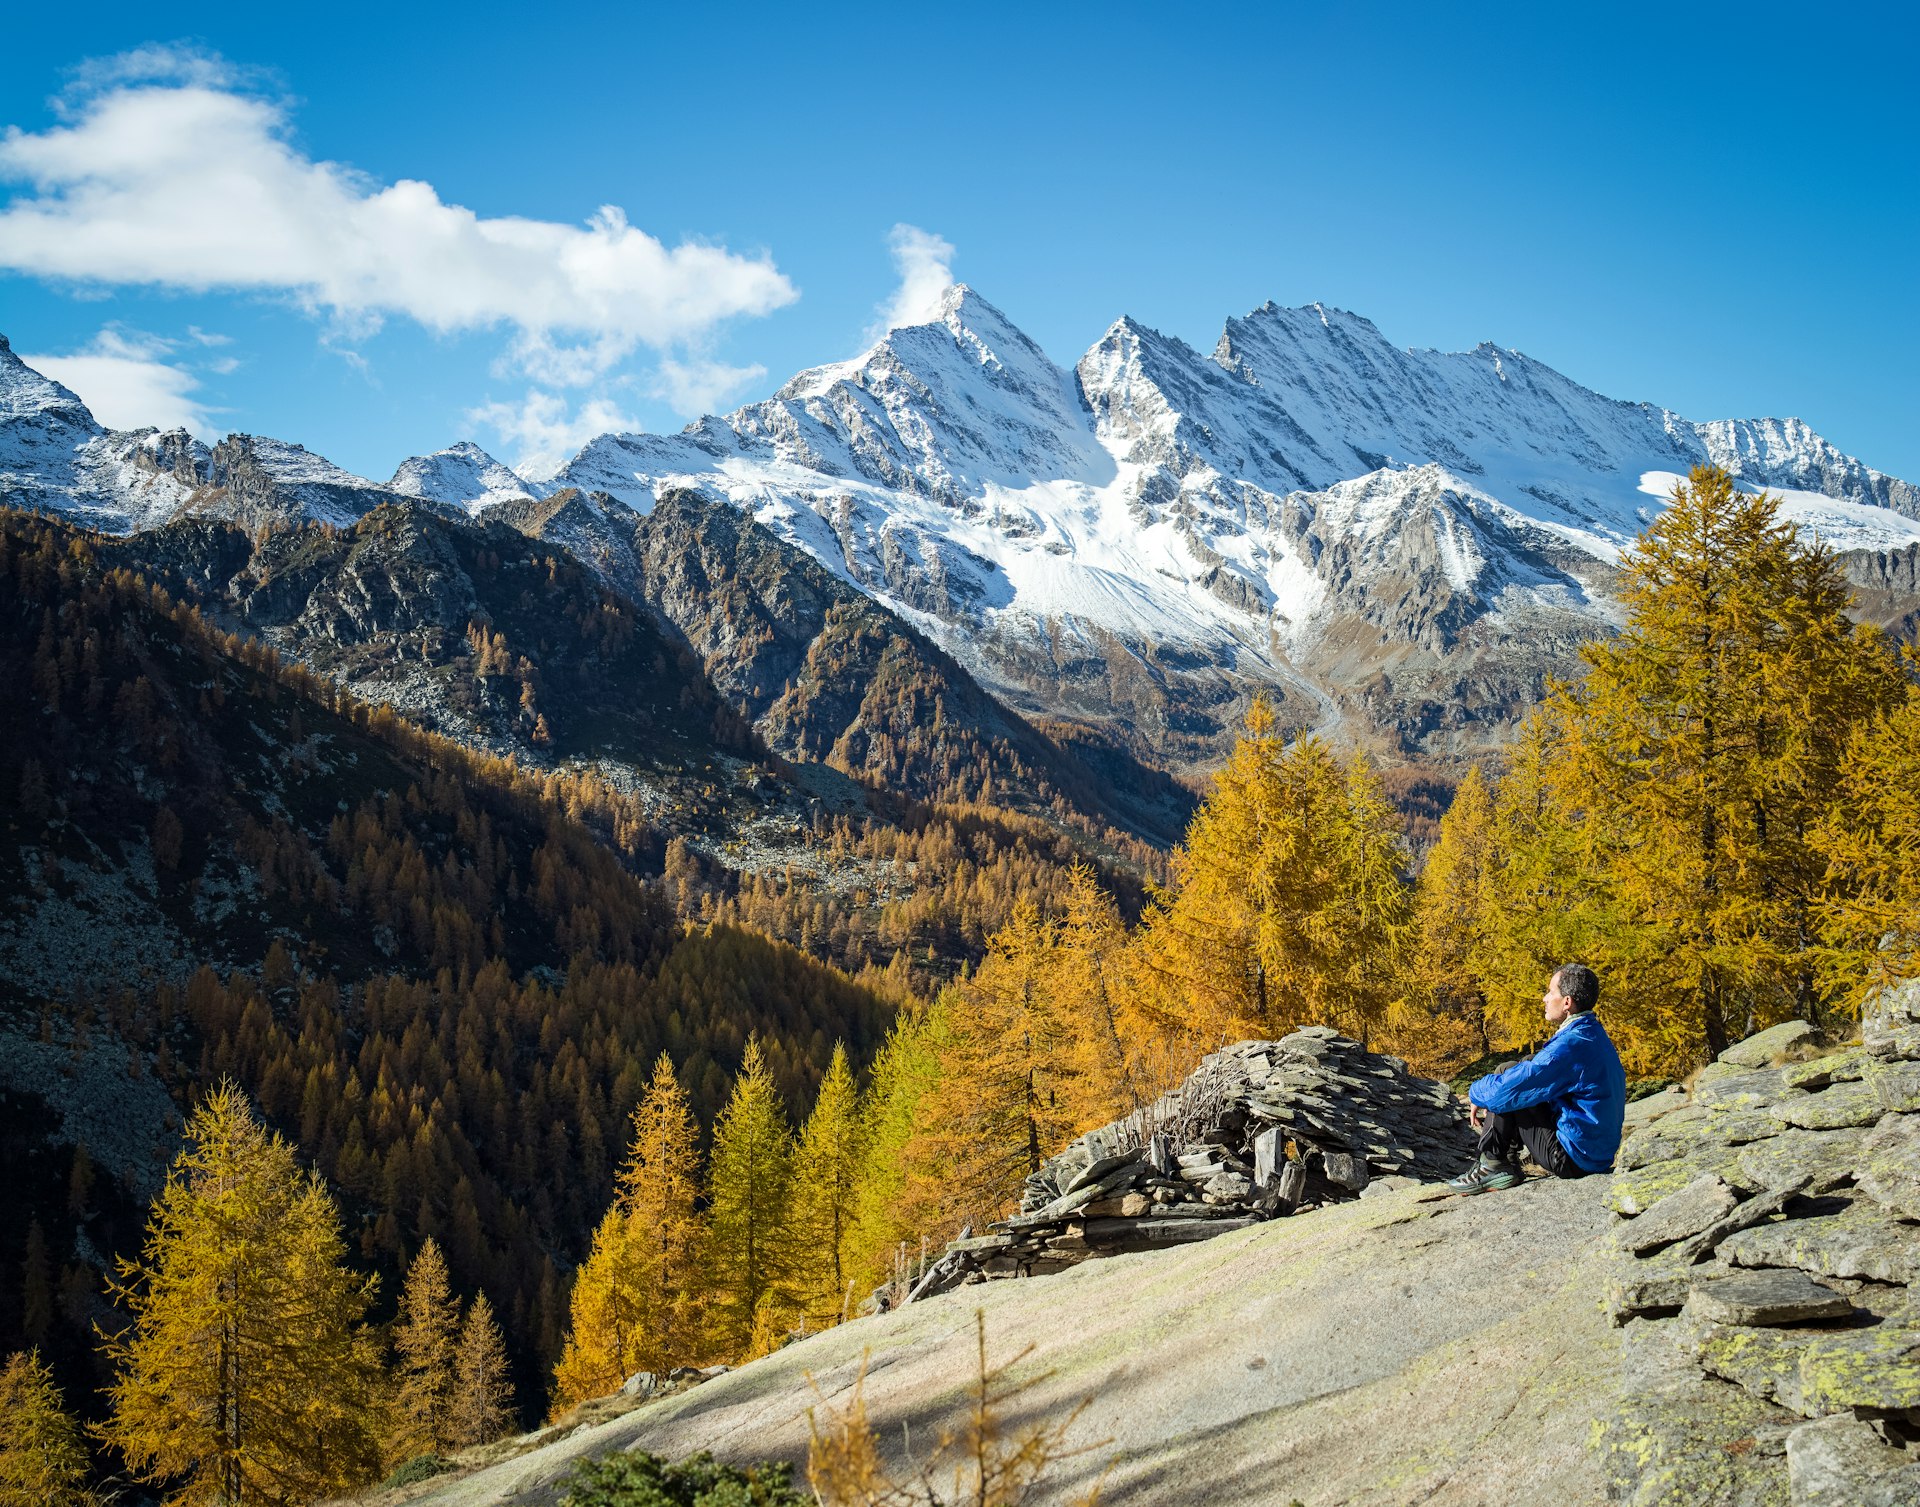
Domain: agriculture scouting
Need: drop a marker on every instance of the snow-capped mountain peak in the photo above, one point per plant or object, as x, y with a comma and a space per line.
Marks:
25, 393
462, 475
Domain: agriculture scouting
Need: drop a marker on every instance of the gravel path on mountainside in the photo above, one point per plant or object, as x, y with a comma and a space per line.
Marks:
1390, 1351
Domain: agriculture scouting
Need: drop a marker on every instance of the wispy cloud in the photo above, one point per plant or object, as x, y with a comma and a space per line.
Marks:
123, 375
696, 386
544, 429
172, 171
925, 263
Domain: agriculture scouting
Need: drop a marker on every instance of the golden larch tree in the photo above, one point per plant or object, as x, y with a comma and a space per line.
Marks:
636, 1298
1002, 1104
244, 1375
43, 1459
1869, 916
482, 1403
423, 1376
1452, 909
1705, 742
1290, 905
892, 1202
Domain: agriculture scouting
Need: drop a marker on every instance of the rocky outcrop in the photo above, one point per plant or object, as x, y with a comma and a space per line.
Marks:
1260, 1130
1769, 1244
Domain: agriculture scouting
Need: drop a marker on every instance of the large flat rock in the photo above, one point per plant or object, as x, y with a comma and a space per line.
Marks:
1385, 1351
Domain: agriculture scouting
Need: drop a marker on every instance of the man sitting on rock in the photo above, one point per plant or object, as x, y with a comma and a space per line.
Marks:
1565, 1105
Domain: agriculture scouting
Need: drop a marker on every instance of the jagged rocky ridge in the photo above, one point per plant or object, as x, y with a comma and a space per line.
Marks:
1769, 1240
1414, 539
715, 624
1259, 1130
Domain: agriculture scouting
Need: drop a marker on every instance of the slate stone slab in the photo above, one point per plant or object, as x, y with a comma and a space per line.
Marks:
1732, 1087
1751, 1212
1106, 1166
1826, 1158
1659, 1283
1681, 1439
1843, 1462
1902, 1044
1147, 1234
1349, 1172
1740, 1127
1637, 1191
1889, 1170
1765, 1298
1815, 1372
1678, 1215
1760, 1049
1677, 1134
1835, 1067
1861, 1241
1891, 1009
1896, 1085
1830, 1109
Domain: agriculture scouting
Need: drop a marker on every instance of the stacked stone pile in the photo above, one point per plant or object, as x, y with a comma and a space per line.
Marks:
1260, 1130
1769, 1241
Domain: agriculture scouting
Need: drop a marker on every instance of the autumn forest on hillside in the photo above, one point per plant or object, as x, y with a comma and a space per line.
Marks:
520, 1095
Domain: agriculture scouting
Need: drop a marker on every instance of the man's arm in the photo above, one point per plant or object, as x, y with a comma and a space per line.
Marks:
1546, 1077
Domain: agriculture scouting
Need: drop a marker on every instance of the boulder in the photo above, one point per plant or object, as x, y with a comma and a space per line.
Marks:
1842, 1461
1684, 1212
1768, 1298
1764, 1048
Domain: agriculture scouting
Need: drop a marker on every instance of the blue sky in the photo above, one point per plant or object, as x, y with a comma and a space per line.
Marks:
1714, 208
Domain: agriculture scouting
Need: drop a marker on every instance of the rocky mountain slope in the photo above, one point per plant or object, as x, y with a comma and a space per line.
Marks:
1728, 1321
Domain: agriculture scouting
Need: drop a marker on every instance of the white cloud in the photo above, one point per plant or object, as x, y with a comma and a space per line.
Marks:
696, 386
125, 380
546, 430
168, 174
925, 262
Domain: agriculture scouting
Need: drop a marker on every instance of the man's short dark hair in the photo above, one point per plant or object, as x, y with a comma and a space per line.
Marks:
1579, 983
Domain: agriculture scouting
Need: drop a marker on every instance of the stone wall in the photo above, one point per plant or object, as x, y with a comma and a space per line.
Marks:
1258, 1131
1769, 1242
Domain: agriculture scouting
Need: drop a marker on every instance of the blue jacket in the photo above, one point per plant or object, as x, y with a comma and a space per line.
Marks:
1577, 1070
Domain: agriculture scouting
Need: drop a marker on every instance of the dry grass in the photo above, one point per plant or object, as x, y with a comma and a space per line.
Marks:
979, 1462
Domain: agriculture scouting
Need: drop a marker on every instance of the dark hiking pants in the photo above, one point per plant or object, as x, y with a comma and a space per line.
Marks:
1503, 1136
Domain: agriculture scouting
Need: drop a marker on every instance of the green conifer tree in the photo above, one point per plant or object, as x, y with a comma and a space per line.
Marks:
749, 1216
826, 1187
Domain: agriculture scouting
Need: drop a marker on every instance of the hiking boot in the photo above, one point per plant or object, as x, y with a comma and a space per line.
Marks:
1485, 1176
